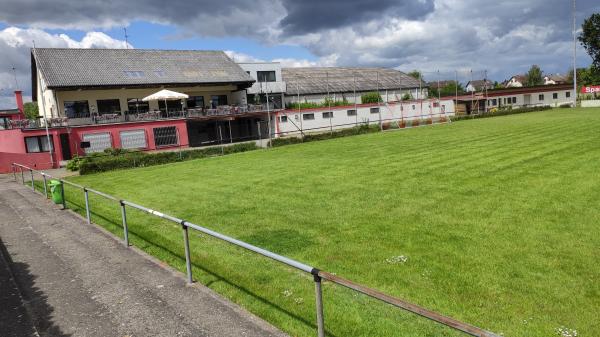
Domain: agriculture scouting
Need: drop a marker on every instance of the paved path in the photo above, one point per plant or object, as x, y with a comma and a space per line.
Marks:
62, 277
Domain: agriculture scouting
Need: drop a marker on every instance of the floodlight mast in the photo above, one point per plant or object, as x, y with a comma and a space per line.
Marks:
39, 83
574, 54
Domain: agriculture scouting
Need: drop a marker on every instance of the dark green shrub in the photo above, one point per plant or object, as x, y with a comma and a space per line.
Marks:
74, 163
285, 141
371, 97
501, 112
102, 162
357, 130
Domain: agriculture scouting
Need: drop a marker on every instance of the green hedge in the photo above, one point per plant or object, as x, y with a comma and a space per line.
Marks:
504, 112
371, 97
358, 130
123, 160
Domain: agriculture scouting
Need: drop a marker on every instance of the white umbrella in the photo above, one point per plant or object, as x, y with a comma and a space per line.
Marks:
166, 95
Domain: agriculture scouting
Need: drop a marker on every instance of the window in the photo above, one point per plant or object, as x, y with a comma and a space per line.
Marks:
38, 144
308, 117
413, 107
165, 136
4, 122
555, 95
436, 104
514, 100
77, 109
494, 101
541, 97
217, 100
98, 141
108, 106
195, 102
328, 114
159, 73
351, 113
133, 139
567, 94
265, 76
136, 105
174, 105
133, 74
283, 119
374, 110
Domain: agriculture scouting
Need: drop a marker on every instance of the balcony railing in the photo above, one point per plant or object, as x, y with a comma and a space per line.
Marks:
128, 116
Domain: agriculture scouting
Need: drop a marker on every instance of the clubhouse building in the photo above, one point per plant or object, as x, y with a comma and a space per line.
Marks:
150, 100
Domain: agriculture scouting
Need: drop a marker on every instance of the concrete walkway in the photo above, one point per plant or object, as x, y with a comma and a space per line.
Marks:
62, 277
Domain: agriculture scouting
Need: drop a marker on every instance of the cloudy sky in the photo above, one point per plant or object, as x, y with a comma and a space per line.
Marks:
501, 37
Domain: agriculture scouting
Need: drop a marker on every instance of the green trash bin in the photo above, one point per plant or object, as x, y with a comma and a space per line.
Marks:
56, 191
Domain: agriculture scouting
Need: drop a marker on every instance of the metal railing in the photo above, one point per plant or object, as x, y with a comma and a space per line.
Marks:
318, 275
132, 116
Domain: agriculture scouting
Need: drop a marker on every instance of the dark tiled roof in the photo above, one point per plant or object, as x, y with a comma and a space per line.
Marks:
67, 67
314, 80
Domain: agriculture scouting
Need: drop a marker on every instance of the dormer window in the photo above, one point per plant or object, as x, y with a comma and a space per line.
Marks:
133, 73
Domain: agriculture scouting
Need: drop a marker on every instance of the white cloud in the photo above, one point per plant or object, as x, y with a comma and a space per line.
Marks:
15, 44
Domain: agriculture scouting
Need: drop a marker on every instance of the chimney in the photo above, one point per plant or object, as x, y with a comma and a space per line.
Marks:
19, 98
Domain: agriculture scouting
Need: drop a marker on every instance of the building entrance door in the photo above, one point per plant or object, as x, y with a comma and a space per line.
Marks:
65, 147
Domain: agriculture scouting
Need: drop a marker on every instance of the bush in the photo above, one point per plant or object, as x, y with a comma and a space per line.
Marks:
116, 160
371, 97
358, 130
285, 141
501, 112
312, 105
74, 163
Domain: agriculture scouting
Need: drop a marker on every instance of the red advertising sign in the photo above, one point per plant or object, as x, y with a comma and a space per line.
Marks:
590, 89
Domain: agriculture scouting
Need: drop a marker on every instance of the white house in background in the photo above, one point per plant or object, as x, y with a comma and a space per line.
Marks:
479, 85
555, 79
517, 81
268, 81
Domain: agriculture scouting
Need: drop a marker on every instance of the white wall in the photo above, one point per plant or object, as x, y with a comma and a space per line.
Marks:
389, 113
278, 86
590, 104
548, 99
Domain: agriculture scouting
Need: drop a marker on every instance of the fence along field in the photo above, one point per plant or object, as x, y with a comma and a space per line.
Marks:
484, 220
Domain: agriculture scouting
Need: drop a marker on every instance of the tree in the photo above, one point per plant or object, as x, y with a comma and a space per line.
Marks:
590, 38
585, 76
449, 89
534, 76
416, 74
31, 110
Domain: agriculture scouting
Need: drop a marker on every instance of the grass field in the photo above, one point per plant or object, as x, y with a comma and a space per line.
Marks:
497, 218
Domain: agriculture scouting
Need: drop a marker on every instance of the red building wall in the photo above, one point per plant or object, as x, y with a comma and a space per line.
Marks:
13, 150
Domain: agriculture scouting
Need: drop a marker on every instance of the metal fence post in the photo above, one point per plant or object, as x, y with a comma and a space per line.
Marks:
125, 229
62, 193
32, 185
14, 169
319, 299
22, 177
45, 185
188, 262
87, 206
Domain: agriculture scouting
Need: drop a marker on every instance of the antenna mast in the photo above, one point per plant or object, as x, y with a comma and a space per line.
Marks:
126, 38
